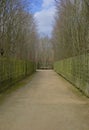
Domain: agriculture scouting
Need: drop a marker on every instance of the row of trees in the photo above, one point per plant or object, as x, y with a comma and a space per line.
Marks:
45, 53
18, 32
71, 42
71, 29
18, 37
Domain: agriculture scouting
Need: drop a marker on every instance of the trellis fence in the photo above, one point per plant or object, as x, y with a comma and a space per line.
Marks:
12, 70
76, 70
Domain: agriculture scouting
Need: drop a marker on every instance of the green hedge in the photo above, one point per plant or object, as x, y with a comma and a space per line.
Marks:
12, 70
76, 70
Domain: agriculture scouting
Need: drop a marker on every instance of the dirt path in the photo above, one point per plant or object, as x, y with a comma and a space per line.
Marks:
47, 102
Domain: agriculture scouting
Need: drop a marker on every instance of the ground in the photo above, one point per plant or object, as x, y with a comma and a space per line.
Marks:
45, 102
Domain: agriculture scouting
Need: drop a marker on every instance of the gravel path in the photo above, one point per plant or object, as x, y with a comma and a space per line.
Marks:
46, 102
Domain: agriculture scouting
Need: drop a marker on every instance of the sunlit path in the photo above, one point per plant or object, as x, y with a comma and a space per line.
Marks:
47, 102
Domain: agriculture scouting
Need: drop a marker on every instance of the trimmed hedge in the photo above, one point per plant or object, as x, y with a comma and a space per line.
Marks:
12, 70
76, 70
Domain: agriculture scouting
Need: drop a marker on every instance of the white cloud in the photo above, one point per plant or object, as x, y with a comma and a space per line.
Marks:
47, 3
45, 17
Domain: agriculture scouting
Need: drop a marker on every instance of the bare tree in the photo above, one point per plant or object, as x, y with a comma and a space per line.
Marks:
70, 35
45, 53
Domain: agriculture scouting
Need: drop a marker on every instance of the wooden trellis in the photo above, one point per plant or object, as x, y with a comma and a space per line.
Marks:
12, 70
76, 70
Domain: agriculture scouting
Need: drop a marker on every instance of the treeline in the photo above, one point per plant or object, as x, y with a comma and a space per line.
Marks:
45, 53
18, 33
18, 38
71, 29
71, 42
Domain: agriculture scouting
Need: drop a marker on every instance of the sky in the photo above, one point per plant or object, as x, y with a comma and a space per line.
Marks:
44, 12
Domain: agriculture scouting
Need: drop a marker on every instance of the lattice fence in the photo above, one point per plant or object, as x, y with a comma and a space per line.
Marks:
12, 70
76, 70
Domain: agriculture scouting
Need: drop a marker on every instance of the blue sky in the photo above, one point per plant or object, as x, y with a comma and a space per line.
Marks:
36, 5
44, 11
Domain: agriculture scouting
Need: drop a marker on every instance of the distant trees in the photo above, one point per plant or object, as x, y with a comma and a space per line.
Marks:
45, 54
71, 33
18, 33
